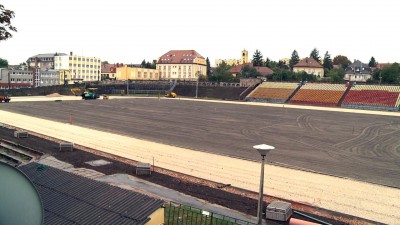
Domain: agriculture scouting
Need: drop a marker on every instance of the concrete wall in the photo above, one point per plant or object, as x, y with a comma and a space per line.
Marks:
229, 93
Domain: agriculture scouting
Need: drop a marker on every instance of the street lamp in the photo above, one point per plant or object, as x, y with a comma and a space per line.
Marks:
197, 83
263, 149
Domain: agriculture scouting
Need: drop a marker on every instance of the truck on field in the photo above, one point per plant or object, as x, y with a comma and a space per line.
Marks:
5, 98
90, 93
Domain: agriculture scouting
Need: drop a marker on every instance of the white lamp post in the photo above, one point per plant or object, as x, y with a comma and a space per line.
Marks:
263, 149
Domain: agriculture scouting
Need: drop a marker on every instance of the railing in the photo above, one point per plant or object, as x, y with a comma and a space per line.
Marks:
178, 214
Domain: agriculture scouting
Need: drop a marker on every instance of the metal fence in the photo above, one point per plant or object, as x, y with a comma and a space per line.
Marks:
178, 214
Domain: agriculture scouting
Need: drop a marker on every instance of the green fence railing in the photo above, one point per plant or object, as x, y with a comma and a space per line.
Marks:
178, 214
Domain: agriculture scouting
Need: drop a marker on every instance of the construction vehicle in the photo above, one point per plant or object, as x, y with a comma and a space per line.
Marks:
90, 93
170, 94
5, 98
76, 91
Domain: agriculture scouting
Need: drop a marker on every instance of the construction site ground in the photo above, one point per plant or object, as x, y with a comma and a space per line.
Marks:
213, 141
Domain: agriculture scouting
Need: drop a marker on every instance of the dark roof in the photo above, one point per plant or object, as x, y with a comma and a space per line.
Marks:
261, 69
48, 55
71, 199
308, 62
110, 68
179, 56
358, 67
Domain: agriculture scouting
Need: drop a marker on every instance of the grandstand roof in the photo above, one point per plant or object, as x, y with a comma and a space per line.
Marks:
179, 56
71, 199
308, 62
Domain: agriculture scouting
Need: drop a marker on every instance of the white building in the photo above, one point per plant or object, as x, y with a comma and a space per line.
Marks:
80, 68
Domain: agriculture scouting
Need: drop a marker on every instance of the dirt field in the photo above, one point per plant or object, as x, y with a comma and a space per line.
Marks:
357, 146
220, 127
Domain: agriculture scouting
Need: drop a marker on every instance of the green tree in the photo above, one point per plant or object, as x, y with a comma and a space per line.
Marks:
336, 74
208, 67
249, 72
257, 59
391, 74
315, 55
143, 64
342, 61
282, 64
154, 64
294, 59
372, 62
327, 61
267, 62
222, 73
3, 63
5, 23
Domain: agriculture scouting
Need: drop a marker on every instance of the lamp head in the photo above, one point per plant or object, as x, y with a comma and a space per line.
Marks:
263, 149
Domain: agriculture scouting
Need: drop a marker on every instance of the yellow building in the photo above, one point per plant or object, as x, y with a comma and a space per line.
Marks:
310, 66
80, 68
134, 73
181, 65
234, 62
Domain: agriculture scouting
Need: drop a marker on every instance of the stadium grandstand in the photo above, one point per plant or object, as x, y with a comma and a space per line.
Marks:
373, 97
319, 94
272, 92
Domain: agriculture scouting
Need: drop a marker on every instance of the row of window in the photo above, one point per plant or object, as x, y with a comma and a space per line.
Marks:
18, 80
179, 67
84, 59
85, 77
22, 73
87, 66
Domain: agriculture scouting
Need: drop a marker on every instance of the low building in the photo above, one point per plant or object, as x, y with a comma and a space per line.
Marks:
181, 65
234, 62
263, 70
135, 73
15, 79
358, 71
80, 68
109, 71
310, 66
50, 78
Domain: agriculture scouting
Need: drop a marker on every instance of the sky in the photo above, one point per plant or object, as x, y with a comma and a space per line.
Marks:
127, 31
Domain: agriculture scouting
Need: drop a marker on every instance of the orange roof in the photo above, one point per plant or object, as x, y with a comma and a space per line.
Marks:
179, 56
308, 62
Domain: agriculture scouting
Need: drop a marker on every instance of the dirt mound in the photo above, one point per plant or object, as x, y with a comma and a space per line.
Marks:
54, 95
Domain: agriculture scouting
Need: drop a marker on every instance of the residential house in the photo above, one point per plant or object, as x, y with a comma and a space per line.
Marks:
109, 71
358, 71
181, 65
310, 66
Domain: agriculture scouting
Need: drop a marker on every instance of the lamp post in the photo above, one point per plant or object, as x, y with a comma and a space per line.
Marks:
197, 83
263, 149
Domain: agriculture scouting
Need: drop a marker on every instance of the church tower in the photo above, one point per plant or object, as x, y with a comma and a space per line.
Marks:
245, 57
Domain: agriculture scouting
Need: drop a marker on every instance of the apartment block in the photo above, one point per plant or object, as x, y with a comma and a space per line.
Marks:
75, 68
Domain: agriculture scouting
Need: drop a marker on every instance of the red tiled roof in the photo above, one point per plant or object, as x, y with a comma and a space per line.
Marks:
238, 68
381, 65
264, 70
110, 68
261, 69
179, 56
308, 62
